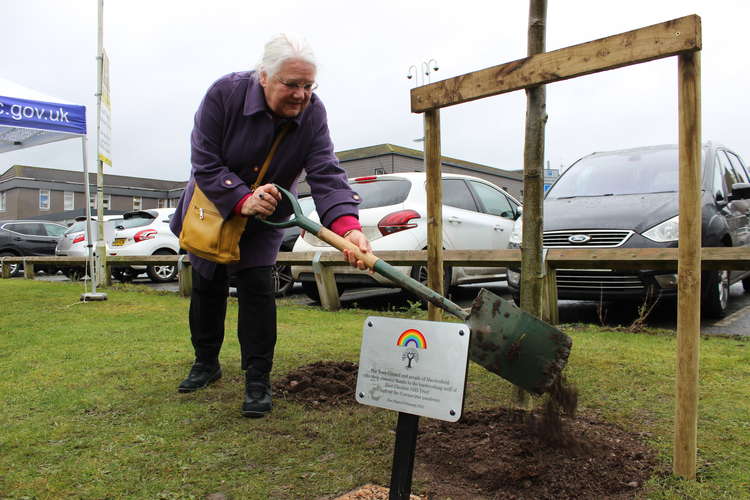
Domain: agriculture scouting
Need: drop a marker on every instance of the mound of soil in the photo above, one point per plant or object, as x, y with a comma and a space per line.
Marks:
501, 453
321, 383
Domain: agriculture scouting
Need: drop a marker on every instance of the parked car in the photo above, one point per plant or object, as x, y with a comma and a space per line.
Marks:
74, 243
628, 199
477, 215
29, 237
145, 232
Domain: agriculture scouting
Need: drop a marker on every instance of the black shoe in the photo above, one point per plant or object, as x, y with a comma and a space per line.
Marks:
201, 374
257, 396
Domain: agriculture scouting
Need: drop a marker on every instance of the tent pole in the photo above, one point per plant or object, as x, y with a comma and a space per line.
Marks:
89, 243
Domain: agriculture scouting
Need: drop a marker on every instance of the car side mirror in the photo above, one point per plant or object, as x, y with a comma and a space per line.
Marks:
740, 191
519, 212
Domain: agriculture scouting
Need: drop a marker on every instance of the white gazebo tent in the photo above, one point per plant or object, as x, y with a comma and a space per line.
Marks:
29, 118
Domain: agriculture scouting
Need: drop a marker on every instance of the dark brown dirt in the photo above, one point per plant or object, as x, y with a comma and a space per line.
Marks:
496, 454
500, 453
324, 383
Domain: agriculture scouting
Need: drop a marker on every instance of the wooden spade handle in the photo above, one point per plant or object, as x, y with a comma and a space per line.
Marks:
341, 244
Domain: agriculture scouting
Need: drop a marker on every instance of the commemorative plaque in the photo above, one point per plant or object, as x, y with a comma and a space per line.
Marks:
414, 366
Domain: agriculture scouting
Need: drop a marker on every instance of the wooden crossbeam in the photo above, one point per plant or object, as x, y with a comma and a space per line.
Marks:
476, 258
613, 258
666, 39
736, 258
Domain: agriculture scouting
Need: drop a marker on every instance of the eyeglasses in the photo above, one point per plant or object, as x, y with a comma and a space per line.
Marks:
292, 86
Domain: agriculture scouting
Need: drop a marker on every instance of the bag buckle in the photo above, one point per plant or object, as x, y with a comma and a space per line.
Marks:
200, 213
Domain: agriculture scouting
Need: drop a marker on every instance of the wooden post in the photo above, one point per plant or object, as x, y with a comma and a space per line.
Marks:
106, 280
533, 167
533, 181
433, 166
28, 270
688, 266
184, 276
5, 269
326, 283
550, 311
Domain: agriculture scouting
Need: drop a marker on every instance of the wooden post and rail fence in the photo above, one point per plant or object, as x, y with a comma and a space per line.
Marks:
620, 259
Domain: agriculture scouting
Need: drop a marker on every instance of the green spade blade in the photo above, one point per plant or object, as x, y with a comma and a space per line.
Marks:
516, 345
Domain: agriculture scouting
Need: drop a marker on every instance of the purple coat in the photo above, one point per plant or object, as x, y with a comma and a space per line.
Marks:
232, 134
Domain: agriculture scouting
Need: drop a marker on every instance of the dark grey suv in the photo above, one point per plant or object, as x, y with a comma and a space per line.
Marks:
28, 237
628, 199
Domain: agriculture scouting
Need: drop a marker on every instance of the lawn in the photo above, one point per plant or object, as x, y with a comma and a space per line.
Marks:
90, 407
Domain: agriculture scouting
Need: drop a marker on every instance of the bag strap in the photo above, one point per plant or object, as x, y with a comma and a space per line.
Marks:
267, 162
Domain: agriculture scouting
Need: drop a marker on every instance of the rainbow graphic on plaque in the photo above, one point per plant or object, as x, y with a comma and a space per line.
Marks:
412, 337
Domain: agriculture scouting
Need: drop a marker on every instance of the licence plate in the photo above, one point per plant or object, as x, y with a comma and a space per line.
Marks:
118, 242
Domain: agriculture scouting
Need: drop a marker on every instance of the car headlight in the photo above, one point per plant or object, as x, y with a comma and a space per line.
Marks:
669, 230
514, 241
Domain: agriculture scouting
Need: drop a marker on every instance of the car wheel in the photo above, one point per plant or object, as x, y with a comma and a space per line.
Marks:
311, 290
282, 279
715, 293
161, 273
15, 269
419, 273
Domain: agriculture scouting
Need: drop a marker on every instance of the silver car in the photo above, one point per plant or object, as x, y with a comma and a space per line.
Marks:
74, 243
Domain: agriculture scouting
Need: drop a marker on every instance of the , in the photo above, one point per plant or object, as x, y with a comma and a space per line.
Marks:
629, 199
477, 215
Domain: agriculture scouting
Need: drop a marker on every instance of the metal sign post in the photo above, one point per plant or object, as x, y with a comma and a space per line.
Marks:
404, 451
417, 368
103, 143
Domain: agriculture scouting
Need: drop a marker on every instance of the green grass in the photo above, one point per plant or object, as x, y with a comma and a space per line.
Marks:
90, 410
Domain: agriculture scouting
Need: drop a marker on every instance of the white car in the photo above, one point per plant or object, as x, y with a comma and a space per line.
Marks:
477, 215
74, 244
141, 233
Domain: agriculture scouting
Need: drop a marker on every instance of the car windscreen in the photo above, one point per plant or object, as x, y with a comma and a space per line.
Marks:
76, 227
382, 192
624, 172
80, 225
136, 221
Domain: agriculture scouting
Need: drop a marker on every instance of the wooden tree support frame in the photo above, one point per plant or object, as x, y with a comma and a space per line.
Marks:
679, 37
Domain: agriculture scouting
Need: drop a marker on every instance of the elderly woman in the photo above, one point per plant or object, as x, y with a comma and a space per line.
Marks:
234, 129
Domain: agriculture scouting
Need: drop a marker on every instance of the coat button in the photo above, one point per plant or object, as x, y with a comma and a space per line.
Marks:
228, 182
355, 196
255, 169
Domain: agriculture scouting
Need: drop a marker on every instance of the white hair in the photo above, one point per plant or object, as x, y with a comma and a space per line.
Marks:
281, 48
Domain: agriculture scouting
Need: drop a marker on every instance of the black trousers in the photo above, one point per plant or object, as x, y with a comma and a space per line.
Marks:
256, 324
